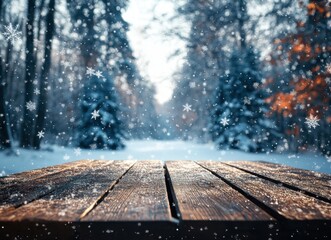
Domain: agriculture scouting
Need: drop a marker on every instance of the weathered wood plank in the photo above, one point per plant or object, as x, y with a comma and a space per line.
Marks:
316, 183
288, 203
33, 174
203, 196
18, 194
69, 203
140, 195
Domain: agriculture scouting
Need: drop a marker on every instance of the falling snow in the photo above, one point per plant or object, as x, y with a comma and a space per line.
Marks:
312, 121
95, 114
11, 33
163, 80
31, 106
40, 134
187, 107
225, 121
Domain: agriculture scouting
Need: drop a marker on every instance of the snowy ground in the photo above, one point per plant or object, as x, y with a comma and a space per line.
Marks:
24, 160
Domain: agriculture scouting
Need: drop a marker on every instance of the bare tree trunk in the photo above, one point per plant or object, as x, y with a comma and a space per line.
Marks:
40, 19
30, 69
44, 76
4, 123
242, 18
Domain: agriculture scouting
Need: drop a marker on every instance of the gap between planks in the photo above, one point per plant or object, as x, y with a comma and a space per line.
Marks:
276, 201
103, 195
172, 202
292, 186
141, 195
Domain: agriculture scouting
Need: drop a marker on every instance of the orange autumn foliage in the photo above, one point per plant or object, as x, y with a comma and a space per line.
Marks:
307, 52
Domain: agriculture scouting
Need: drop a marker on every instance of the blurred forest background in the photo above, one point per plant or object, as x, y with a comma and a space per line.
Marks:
256, 76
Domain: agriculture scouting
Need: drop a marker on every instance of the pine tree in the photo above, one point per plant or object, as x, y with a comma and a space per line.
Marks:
114, 53
205, 61
238, 118
100, 125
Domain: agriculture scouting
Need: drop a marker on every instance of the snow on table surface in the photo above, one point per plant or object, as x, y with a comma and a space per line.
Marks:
25, 160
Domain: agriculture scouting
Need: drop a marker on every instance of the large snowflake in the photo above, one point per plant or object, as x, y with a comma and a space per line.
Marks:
312, 121
41, 134
187, 107
91, 71
31, 106
95, 114
11, 34
225, 121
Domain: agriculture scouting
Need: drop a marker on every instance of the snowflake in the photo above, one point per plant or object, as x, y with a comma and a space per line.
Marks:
302, 106
192, 84
66, 157
31, 106
71, 79
66, 64
247, 101
95, 114
225, 121
187, 107
77, 151
328, 66
312, 121
98, 74
41, 134
90, 71
11, 33
36, 91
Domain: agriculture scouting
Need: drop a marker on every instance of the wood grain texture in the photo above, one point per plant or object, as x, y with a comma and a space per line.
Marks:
140, 195
69, 202
288, 203
19, 178
318, 184
18, 194
202, 196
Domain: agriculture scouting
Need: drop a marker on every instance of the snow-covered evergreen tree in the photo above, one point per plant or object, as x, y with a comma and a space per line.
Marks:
205, 62
100, 125
238, 117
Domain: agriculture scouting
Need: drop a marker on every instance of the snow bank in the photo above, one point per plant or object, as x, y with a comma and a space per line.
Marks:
24, 160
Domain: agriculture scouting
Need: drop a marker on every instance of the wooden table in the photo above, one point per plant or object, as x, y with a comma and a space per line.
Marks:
172, 200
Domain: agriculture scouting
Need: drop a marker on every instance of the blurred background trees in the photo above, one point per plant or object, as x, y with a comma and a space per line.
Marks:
44, 78
292, 74
256, 74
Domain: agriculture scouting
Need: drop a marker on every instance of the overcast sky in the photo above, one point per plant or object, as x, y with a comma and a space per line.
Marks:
149, 20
